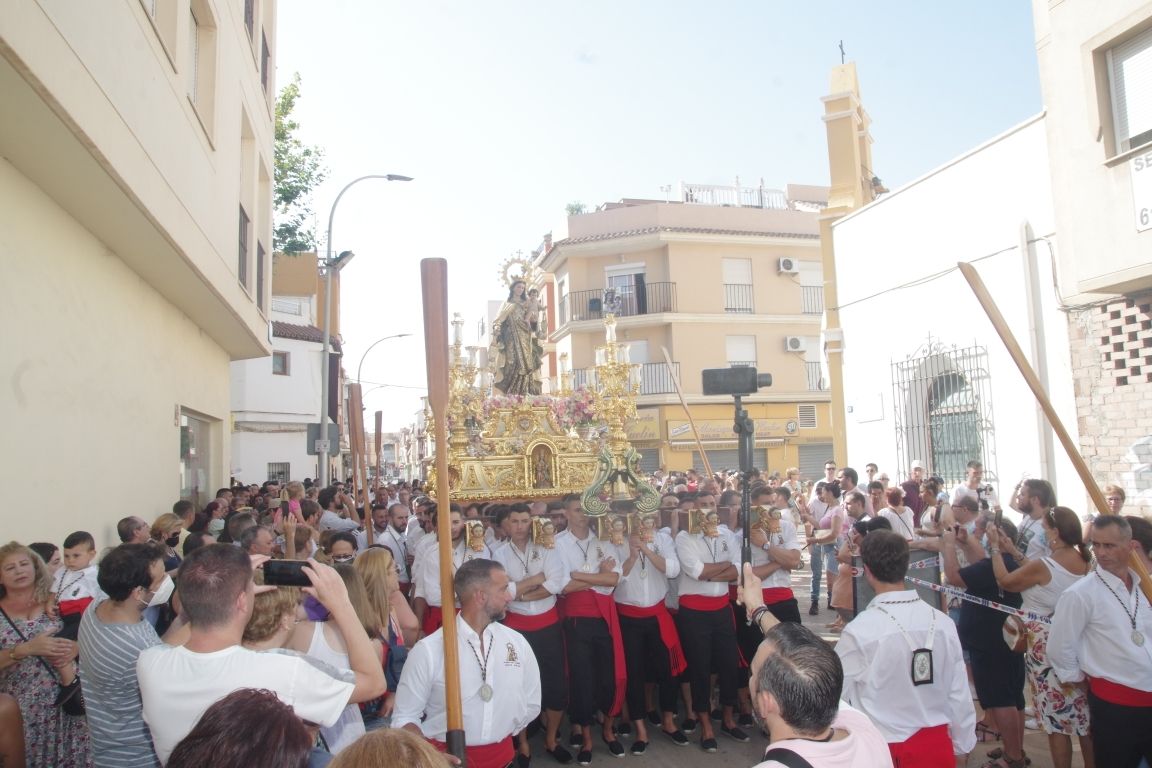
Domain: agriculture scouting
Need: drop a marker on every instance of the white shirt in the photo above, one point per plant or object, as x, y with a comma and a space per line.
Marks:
521, 564
864, 747
426, 569
331, 521
786, 539
1031, 532
1092, 634
985, 492
646, 585
696, 550
177, 686
76, 585
585, 555
397, 544
877, 659
902, 522
511, 671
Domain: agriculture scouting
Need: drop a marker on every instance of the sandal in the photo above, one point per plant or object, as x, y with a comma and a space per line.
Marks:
1004, 762
984, 733
997, 753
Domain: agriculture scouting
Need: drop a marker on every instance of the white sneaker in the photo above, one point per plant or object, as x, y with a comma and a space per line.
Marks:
1029, 712
1032, 724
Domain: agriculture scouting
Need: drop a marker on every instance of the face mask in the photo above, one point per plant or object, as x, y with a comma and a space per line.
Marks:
172, 540
342, 558
161, 595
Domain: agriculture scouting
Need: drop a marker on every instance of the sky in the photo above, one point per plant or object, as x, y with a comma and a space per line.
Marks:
505, 111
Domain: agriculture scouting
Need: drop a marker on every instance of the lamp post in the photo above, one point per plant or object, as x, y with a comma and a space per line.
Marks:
336, 264
370, 346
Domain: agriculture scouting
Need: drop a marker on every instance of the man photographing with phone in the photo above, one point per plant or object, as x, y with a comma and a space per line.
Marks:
178, 683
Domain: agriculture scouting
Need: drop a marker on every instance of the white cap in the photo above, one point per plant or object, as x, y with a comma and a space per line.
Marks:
916, 464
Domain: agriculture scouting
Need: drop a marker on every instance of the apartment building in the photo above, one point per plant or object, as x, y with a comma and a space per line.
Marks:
720, 276
136, 171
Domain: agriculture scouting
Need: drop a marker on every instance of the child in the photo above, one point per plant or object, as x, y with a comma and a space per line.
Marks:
533, 307
75, 584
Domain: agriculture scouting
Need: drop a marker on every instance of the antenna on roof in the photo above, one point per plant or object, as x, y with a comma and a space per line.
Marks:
841, 51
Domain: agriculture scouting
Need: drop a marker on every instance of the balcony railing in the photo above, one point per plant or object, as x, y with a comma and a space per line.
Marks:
733, 196
654, 378
738, 298
741, 363
812, 299
816, 382
647, 299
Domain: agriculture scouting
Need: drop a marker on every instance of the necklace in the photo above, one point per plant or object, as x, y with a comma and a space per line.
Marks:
523, 560
826, 739
1137, 635
65, 587
485, 688
713, 546
586, 567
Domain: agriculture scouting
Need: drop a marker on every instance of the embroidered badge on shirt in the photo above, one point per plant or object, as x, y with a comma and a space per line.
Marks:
513, 658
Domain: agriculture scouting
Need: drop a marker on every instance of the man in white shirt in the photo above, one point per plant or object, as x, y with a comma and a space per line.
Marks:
390, 529
499, 675
1034, 500
903, 664
1102, 637
709, 559
537, 576
591, 630
426, 597
331, 500
973, 486
647, 628
178, 683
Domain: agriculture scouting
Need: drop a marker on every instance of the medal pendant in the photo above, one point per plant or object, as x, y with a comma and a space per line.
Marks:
586, 568
1137, 637
921, 667
486, 692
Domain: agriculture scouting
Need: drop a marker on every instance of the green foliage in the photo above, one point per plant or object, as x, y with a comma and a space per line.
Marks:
299, 169
575, 208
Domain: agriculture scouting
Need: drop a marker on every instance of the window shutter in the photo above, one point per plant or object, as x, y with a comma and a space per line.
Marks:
1130, 77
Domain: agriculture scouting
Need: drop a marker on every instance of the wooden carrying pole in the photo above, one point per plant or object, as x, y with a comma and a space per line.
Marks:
1005, 333
379, 446
434, 284
356, 441
684, 403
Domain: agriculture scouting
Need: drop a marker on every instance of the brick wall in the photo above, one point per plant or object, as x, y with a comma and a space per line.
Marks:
1112, 376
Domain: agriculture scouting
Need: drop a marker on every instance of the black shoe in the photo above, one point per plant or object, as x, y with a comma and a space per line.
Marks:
677, 736
560, 755
654, 717
533, 728
746, 721
624, 729
829, 602
576, 740
708, 745
688, 725
523, 761
615, 747
716, 714
639, 747
814, 609
734, 732
584, 756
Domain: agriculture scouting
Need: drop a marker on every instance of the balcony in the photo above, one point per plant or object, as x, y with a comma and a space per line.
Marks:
738, 298
741, 363
815, 373
733, 196
812, 299
646, 299
655, 378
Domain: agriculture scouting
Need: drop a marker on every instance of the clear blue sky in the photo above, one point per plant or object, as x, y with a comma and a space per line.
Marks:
506, 111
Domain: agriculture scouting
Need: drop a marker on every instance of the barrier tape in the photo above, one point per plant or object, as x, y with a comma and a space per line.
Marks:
928, 562
961, 594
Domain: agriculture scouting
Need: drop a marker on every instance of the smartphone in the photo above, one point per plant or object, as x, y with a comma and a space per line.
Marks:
286, 573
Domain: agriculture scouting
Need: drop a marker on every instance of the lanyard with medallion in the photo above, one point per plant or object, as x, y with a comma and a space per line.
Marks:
921, 670
1137, 636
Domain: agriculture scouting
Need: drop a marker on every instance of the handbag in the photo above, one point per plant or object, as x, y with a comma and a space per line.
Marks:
1015, 634
70, 698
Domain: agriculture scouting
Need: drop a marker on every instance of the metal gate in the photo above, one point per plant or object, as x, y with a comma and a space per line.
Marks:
812, 458
943, 410
719, 458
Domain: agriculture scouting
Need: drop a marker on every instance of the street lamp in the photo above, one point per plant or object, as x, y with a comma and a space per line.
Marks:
329, 265
361, 365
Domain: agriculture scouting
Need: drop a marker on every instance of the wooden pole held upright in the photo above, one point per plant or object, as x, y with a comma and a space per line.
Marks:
1018, 357
379, 446
684, 404
434, 285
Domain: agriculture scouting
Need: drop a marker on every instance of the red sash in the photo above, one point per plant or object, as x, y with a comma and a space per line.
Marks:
1114, 693
496, 755
927, 748
531, 623
433, 619
704, 602
73, 607
590, 604
667, 631
772, 595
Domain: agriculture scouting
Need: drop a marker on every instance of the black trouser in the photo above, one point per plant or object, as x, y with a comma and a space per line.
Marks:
548, 646
709, 642
1121, 735
591, 661
646, 658
749, 637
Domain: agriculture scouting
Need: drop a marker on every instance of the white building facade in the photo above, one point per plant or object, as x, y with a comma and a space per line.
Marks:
925, 376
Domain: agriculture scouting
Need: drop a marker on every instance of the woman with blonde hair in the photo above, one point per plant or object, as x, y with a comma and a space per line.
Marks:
388, 748
166, 533
399, 627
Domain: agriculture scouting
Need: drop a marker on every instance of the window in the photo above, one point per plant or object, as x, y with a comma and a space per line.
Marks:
195, 459
737, 285
954, 425
740, 350
806, 416
1130, 84
625, 284
242, 253
193, 55
279, 471
280, 365
260, 257
249, 15
200, 76
264, 56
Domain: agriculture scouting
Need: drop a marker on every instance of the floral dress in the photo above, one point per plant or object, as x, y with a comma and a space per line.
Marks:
1060, 708
52, 739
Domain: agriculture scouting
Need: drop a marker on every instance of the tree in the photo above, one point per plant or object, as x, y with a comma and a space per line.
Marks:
575, 209
299, 169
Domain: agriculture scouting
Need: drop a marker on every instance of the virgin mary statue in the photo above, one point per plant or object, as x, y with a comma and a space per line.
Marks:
515, 350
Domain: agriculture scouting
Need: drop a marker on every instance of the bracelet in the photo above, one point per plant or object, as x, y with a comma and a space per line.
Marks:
754, 618
12, 653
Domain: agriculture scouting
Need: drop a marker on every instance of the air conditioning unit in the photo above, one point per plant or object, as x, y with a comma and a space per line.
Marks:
789, 267
795, 344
